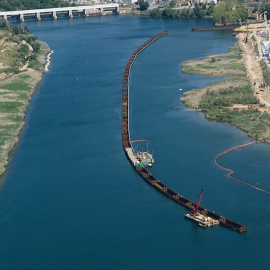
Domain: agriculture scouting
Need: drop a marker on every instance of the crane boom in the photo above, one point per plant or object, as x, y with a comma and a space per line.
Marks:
195, 208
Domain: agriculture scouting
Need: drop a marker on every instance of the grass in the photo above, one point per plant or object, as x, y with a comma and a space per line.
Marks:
23, 97
16, 85
266, 73
15, 90
35, 64
217, 101
225, 65
10, 107
24, 77
14, 118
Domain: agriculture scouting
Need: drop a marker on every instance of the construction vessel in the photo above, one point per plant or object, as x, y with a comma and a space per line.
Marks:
145, 158
202, 220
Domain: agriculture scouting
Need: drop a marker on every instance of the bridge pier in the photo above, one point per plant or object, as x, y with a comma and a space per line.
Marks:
54, 15
38, 16
70, 14
21, 18
86, 12
5, 17
101, 11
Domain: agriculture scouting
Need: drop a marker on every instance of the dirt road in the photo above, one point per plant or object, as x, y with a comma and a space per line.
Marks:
252, 63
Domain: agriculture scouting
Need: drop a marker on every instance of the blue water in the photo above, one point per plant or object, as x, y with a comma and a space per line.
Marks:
71, 200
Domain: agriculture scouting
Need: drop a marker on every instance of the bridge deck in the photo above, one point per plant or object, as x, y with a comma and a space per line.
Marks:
49, 10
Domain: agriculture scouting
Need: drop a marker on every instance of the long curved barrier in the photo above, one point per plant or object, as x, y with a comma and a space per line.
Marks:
142, 171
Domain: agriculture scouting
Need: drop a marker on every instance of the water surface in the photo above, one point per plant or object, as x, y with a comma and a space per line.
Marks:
71, 200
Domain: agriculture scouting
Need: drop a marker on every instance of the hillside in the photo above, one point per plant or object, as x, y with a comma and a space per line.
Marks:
22, 60
30, 4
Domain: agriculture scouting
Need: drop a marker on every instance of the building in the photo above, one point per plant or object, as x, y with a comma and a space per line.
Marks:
150, 2
180, 2
204, 1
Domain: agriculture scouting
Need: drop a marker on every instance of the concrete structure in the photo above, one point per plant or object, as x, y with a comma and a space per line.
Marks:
185, 2
205, 1
151, 2
54, 13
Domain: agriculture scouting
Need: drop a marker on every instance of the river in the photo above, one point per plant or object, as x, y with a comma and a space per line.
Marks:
71, 200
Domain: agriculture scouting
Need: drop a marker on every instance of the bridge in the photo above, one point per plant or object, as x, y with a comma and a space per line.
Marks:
54, 13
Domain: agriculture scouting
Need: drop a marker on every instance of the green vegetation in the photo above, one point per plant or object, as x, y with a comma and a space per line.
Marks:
23, 47
172, 13
255, 45
259, 7
143, 5
228, 13
266, 74
30, 4
10, 107
266, 7
16, 85
225, 65
199, 11
230, 101
172, 4
19, 52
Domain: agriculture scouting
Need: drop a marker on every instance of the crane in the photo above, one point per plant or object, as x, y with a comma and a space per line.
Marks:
194, 211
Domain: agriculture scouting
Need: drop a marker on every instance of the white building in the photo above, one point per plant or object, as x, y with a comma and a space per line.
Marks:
150, 2
205, 1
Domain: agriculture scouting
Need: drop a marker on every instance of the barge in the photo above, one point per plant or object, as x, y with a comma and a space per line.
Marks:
220, 27
142, 171
202, 220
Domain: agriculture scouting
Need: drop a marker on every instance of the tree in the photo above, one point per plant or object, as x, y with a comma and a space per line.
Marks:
26, 29
198, 11
143, 5
7, 5
172, 4
168, 13
210, 9
240, 12
3, 24
267, 9
36, 46
226, 12
156, 12
16, 30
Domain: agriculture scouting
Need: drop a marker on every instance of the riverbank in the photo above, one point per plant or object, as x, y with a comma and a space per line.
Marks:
16, 88
233, 100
